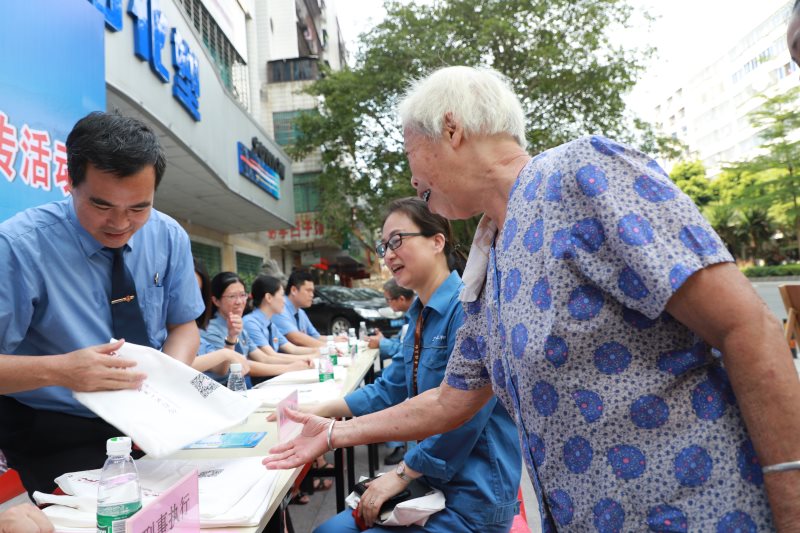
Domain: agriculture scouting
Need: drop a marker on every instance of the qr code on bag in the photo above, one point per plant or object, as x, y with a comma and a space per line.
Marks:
204, 385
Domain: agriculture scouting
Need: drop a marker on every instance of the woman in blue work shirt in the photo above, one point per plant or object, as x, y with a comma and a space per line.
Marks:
228, 298
268, 300
477, 466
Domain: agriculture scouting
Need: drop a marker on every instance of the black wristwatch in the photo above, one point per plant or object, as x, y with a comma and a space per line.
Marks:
231, 342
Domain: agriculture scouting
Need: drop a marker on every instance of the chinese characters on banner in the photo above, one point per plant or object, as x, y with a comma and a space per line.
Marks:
306, 228
43, 159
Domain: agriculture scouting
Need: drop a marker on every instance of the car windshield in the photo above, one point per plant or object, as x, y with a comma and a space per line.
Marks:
340, 294
337, 294
367, 294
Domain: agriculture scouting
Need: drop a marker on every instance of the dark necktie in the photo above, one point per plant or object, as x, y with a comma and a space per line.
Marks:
297, 319
126, 315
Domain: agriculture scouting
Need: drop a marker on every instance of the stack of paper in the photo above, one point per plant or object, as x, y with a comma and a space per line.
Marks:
307, 393
233, 492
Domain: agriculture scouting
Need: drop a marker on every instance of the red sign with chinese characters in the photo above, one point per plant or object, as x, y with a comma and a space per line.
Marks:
307, 227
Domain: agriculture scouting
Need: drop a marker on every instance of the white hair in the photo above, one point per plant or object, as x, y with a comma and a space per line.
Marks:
481, 99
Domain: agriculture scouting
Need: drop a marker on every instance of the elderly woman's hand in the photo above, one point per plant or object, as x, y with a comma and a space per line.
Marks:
24, 518
378, 491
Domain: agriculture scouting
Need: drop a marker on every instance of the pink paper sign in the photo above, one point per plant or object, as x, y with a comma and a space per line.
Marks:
285, 425
177, 509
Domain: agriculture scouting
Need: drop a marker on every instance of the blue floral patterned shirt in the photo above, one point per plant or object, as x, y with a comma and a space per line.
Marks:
626, 418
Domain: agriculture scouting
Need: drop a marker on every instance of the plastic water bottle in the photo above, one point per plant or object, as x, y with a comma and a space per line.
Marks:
325, 365
334, 355
362, 331
119, 495
236, 379
352, 343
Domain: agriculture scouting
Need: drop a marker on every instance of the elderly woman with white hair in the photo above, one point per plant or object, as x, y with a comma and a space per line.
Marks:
598, 301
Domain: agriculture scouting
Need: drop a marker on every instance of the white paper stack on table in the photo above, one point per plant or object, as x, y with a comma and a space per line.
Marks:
233, 492
310, 375
175, 406
307, 393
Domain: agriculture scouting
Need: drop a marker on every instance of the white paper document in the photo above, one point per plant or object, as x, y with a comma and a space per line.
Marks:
233, 492
307, 393
175, 406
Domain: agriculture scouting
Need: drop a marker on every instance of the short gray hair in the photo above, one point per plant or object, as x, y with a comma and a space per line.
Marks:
481, 99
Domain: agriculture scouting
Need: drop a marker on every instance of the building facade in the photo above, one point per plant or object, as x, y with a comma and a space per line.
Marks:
709, 111
203, 74
302, 38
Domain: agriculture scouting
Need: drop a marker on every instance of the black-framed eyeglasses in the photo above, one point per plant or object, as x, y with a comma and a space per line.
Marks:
393, 243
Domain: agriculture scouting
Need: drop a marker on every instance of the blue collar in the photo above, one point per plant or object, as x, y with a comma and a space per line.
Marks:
441, 298
289, 306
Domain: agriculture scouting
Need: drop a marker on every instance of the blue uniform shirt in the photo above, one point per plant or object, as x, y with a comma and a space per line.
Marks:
388, 347
263, 331
213, 339
478, 465
58, 280
287, 322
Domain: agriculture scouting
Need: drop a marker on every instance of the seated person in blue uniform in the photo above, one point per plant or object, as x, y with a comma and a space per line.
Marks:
268, 301
477, 466
226, 330
213, 362
399, 299
293, 321
101, 263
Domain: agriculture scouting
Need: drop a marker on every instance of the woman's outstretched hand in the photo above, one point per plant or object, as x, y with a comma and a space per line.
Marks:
310, 444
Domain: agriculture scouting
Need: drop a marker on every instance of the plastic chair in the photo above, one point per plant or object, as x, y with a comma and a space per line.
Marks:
790, 294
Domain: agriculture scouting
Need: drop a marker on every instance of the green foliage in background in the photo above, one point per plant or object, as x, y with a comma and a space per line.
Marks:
772, 271
558, 54
753, 204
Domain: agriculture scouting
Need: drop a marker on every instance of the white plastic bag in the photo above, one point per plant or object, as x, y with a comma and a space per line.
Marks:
413, 512
175, 406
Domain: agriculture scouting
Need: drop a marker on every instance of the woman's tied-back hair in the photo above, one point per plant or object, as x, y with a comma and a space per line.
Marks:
430, 224
481, 99
262, 286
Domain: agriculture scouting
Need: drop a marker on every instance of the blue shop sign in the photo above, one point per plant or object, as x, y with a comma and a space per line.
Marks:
149, 39
252, 167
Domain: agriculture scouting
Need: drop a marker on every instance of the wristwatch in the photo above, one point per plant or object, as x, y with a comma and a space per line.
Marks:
231, 342
401, 472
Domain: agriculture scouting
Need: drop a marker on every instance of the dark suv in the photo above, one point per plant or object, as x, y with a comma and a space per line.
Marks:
336, 309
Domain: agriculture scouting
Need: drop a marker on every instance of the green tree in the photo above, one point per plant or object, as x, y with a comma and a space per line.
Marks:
755, 228
557, 53
690, 177
722, 218
777, 169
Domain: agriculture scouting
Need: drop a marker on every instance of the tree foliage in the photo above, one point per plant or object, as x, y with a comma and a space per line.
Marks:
690, 177
773, 176
558, 54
